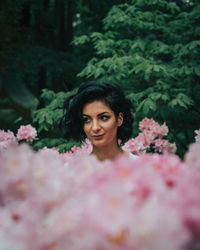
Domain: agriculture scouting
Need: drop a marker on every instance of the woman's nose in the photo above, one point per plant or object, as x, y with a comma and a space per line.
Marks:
95, 126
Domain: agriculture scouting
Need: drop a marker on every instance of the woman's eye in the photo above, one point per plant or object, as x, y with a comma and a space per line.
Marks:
104, 118
86, 119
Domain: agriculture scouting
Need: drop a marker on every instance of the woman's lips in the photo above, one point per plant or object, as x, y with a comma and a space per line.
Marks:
98, 137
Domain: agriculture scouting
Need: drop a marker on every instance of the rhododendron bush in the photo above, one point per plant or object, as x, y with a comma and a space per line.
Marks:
50, 200
24, 133
150, 139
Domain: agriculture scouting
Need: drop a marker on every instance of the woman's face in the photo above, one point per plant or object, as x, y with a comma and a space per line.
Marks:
100, 124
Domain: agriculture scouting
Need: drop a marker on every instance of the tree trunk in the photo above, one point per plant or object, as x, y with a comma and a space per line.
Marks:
59, 24
69, 24
25, 20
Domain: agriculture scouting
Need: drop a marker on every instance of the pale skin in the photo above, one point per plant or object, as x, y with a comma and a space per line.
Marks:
100, 127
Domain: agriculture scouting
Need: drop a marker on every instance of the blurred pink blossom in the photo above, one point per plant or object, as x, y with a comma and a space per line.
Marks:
75, 149
192, 155
185, 200
66, 156
27, 133
121, 204
76, 201
197, 137
87, 146
6, 138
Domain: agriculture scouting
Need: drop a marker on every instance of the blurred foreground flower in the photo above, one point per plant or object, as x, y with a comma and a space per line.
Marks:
6, 138
151, 203
197, 137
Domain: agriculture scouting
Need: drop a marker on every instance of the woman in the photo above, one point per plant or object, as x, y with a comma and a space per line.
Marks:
101, 113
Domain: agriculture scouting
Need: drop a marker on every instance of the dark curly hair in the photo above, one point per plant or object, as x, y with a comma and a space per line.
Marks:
111, 94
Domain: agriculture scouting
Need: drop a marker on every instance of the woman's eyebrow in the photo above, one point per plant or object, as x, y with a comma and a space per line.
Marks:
102, 113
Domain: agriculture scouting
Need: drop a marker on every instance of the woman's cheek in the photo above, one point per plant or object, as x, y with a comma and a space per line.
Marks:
86, 127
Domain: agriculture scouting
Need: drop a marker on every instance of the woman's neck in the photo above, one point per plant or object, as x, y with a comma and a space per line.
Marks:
107, 153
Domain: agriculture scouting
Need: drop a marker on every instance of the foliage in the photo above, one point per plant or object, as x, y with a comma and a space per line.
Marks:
152, 48
35, 52
48, 121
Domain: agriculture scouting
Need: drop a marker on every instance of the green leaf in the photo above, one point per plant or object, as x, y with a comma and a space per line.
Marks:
146, 107
151, 104
18, 120
165, 97
173, 103
96, 36
185, 99
41, 118
81, 40
155, 96
139, 68
47, 94
140, 106
49, 119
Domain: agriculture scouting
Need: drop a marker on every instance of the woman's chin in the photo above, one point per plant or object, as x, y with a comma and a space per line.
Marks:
98, 144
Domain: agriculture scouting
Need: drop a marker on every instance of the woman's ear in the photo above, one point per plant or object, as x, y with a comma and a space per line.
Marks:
120, 119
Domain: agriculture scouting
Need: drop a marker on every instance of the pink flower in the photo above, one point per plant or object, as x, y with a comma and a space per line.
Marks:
135, 145
27, 133
6, 138
87, 146
66, 156
75, 149
154, 127
86, 204
197, 137
185, 199
162, 145
148, 136
162, 130
148, 124
192, 156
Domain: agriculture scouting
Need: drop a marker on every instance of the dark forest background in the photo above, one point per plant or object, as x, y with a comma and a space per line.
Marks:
150, 47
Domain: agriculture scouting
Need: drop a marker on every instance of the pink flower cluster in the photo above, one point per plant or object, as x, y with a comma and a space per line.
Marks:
192, 155
86, 148
197, 137
6, 138
150, 203
27, 133
151, 135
